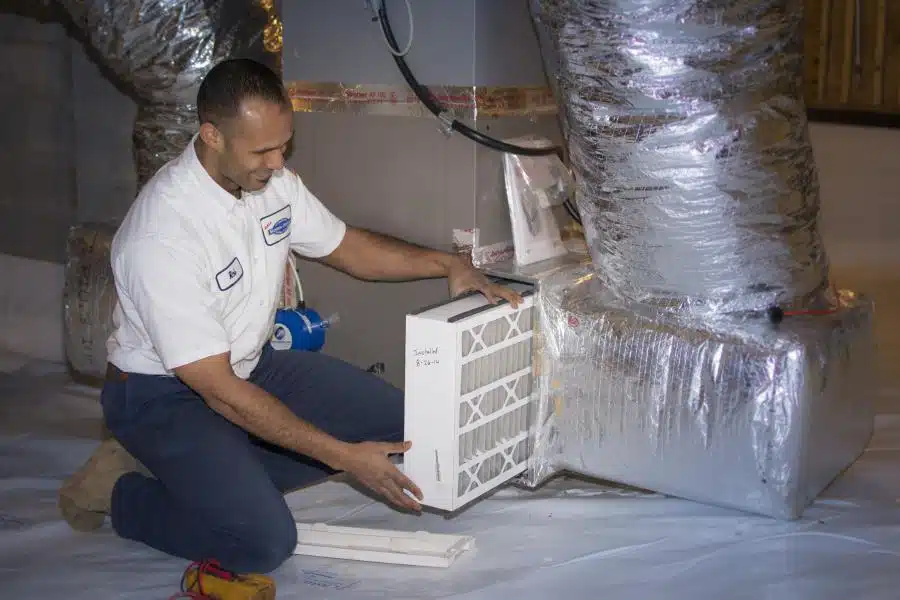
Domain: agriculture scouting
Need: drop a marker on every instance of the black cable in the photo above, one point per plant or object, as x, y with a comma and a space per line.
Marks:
572, 210
431, 104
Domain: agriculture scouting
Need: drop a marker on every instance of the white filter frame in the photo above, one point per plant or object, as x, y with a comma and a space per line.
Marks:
468, 396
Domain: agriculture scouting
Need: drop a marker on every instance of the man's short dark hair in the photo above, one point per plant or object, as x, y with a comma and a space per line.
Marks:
233, 81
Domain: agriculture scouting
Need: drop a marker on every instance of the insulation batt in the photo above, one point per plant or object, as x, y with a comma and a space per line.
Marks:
687, 133
656, 365
89, 297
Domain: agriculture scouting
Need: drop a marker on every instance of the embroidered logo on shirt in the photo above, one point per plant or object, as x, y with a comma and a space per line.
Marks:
280, 226
230, 275
276, 226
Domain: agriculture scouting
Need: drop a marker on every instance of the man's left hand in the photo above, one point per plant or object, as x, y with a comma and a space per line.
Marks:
463, 277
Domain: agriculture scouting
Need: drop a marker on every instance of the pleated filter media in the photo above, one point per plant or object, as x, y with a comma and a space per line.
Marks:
468, 396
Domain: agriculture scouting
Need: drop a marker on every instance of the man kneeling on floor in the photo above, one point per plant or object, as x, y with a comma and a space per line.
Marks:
214, 425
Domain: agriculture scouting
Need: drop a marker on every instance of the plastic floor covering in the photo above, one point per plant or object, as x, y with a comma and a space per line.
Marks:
570, 538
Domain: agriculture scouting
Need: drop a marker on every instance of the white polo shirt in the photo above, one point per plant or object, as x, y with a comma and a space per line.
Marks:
199, 272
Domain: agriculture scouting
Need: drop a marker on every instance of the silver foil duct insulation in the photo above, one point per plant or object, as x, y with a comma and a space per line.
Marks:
686, 130
656, 365
736, 413
159, 50
89, 297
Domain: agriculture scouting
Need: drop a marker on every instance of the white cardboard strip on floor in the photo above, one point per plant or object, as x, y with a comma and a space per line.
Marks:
418, 548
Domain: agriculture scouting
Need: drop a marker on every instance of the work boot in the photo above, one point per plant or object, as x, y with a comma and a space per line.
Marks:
85, 497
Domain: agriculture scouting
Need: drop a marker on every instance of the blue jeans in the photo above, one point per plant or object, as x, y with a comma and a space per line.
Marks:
218, 491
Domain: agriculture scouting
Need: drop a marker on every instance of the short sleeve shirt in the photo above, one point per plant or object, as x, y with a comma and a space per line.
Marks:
199, 272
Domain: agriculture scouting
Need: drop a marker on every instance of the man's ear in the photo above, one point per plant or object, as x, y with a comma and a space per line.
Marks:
212, 137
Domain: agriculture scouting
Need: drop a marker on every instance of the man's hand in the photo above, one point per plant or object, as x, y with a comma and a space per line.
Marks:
463, 277
369, 463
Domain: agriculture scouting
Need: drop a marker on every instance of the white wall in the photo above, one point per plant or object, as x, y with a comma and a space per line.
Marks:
31, 296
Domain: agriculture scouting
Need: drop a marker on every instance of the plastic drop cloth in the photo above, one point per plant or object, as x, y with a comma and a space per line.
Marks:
568, 539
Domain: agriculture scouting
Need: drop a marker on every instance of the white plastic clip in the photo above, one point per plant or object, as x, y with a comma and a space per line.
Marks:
446, 120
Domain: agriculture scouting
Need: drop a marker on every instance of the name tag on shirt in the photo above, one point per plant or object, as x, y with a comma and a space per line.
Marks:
230, 275
276, 226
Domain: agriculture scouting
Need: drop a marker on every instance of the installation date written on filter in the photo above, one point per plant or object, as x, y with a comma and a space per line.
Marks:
426, 357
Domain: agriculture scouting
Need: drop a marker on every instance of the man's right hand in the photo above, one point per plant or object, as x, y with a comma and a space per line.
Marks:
369, 463
255, 410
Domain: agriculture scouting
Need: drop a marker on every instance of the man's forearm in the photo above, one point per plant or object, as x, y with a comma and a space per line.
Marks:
255, 410
374, 256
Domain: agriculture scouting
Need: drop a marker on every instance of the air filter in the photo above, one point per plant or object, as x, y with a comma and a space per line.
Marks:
468, 395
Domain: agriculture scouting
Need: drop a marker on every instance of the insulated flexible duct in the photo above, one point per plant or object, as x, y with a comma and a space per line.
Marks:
160, 50
687, 133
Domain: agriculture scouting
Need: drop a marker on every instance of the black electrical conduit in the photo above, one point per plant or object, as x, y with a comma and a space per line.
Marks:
431, 104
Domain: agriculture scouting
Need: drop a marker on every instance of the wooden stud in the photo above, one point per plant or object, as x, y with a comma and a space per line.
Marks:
824, 38
850, 17
880, 31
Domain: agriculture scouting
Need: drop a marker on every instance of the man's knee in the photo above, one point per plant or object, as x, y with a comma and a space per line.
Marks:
265, 542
